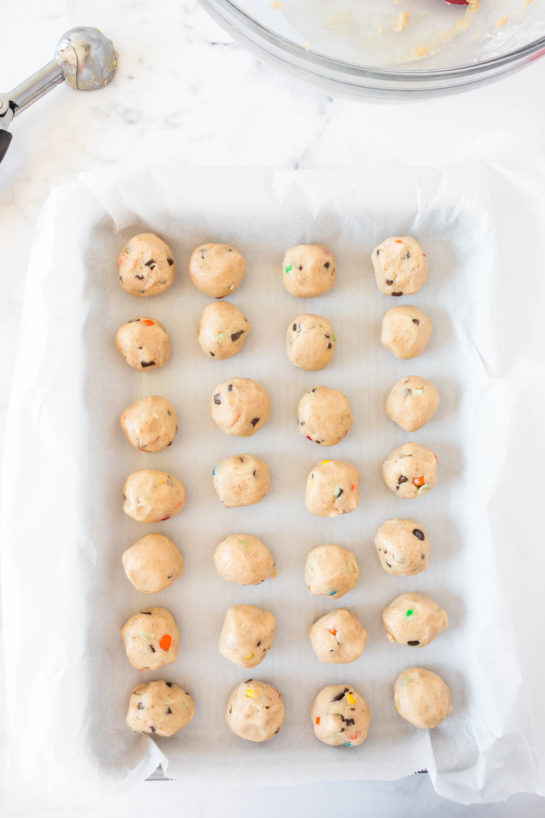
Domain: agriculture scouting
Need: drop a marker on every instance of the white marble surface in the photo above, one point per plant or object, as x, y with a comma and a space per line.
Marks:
185, 93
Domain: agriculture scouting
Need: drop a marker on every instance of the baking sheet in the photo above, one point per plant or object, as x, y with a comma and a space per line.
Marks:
63, 529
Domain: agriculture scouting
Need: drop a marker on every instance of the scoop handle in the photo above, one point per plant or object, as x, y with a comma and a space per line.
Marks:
5, 139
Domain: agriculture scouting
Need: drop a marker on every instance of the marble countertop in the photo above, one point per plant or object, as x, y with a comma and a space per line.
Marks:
186, 93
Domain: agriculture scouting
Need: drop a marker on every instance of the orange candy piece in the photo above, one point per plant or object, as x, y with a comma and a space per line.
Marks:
165, 641
147, 322
317, 719
419, 481
332, 631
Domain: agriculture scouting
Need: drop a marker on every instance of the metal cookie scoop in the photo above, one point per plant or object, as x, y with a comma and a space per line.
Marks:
84, 57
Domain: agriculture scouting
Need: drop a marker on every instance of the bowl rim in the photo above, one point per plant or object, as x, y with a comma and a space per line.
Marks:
316, 59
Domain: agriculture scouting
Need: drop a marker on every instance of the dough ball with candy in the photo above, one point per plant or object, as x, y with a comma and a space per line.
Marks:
324, 416
400, 265
152, 563
310, 342
308, 270
146, 265
332, 488
222, 330
244, 559
421, 697
151, 495
413, 619
240, 406
406, 331
159, 708
151, 638
247, 635
410, 470
412, 402
340, 716
255, 711
143, 342
150, 424
331, 571
338, 637
403, 547
241, 480
217, 269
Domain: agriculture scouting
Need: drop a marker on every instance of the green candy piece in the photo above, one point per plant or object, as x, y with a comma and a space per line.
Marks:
288, 268
147, 637
333, 338
409, 612
418, 391
423, 487
219, 337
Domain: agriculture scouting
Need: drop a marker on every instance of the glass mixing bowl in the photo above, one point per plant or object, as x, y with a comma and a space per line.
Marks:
389, 48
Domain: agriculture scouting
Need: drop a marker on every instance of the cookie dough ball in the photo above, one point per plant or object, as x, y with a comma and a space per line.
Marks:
150, 424
338, 637
400, 265
310, 342
332, 488
255, 711
151, 495
159, 707
247, 635
406, 331
216, 269
240, 406
412, 402
308, 270
151, 638
244, 559
222, 330
340, 716
152, 563
146, 265
144, 343
324, 415
241, 480
331, 571
421, 697
413, 619
403, 547
410, 470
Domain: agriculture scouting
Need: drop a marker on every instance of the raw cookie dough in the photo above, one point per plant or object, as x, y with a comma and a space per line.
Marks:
240, 406
151, 495
244, 559
331, 571
216, 269
338, 637
410, 470
310, 342
247, 635
332, 488
222, 330
150, 424
412, 402
241, 480
159, 707
421, 697
400, 265
340, 716
151, 638
324, 416
405, 331
255, 711
152, 563
144, 343
308, 270
413, 619
403, 547
146, 265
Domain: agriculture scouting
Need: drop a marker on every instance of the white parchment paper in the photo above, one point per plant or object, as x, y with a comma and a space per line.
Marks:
65, 595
